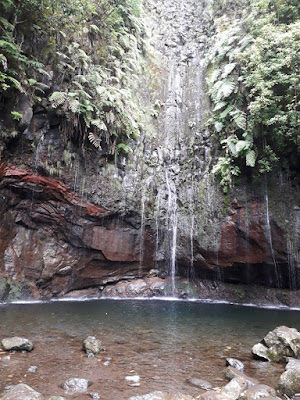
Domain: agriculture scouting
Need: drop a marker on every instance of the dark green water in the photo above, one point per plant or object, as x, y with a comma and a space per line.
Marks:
164, 342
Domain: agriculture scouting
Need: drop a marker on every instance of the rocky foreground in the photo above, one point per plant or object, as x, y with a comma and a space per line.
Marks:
280, 345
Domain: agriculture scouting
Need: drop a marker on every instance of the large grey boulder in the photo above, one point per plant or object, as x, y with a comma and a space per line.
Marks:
279, 344
289, 381
22, 392
76, 385
16, 343
92, 346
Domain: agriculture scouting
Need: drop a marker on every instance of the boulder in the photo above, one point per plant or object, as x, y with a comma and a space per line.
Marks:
76, 385
259, 350
289, 381
237, 364
16, 343
234, 388
22, 392
92, 346
258, 391
232, 373
279, 344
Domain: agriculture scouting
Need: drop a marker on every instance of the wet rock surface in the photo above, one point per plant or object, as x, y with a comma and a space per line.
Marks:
127, 216
289, 382
279, 344
17, 344
237, 364
92, 346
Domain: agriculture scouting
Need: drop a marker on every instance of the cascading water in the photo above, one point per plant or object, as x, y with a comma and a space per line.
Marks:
142, 230
269, 237
181, 121
172, 220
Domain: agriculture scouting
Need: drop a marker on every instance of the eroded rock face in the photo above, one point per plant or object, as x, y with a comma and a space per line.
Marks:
59, 243
53, 238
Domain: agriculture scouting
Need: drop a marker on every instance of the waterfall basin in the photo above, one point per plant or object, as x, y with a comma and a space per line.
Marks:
164, 343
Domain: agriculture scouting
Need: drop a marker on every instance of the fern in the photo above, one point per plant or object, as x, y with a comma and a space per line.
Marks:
99, 124
57, 99
226, 88
95, 140
240, 119
74, 105
251, 158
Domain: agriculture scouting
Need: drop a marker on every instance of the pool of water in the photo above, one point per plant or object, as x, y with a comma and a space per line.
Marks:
164, 342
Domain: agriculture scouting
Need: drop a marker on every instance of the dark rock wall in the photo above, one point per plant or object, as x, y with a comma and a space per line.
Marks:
100, 222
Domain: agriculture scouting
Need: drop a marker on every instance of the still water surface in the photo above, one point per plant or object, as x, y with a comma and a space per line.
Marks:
164, 342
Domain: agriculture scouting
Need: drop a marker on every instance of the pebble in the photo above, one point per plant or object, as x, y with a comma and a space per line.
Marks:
95, 396
133, 378
32, 368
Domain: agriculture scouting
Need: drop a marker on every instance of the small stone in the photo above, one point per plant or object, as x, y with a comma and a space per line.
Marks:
92, 346
200, 383
56, 398
95, 396
76, 385
17, 343
32, 368
237, 364
133, 378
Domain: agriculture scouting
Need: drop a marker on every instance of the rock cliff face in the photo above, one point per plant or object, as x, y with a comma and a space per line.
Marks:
158, 212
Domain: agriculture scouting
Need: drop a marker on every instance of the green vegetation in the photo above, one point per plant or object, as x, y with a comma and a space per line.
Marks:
254, 86
88, 50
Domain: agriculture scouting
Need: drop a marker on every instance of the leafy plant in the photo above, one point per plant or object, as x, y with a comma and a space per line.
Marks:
253, 83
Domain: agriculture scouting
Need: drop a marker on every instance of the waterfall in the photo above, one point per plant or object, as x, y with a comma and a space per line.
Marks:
269, 237
172, 220
142, 231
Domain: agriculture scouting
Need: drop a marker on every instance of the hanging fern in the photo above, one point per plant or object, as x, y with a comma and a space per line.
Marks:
57, 99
